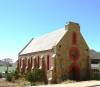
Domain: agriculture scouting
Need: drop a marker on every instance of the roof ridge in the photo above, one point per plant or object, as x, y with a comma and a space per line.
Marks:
49, 33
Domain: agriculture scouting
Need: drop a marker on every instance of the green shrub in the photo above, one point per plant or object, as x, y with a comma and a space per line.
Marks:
0, 75
9, 76
12, 75
16, 74
36, 75
63, 77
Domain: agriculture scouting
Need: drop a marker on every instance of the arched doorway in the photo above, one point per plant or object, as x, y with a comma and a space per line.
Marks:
74, 73
74, 68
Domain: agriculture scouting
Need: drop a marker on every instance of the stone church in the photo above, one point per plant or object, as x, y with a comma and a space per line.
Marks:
63, 53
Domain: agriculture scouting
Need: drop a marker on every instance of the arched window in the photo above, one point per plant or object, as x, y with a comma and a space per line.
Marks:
35, 63
20, 62
43, 64
27, 62
38, 60
31, 62
48, 62
74, 38
23, 65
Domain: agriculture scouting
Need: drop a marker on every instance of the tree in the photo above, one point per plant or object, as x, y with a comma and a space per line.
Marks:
7, 63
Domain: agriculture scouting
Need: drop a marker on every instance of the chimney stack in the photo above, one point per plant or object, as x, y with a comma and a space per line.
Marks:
72, 26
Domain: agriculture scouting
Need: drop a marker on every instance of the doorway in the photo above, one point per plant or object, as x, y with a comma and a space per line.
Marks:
74, 73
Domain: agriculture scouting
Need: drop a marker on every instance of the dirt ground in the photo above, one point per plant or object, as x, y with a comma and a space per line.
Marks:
4, 83
75, 84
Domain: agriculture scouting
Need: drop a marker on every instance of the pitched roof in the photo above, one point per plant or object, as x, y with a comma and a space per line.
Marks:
45, 42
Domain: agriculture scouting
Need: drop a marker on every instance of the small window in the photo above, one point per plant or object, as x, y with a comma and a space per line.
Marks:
59, 46
87, 49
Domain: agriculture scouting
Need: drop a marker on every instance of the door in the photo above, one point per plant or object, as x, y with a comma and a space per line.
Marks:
74, 74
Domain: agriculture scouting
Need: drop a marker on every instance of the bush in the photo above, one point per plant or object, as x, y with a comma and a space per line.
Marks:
63, 77
16, 74
0, 75
12, 76
36, 75
9, 76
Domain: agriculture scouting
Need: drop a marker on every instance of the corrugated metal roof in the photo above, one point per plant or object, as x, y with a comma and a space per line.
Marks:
44, 42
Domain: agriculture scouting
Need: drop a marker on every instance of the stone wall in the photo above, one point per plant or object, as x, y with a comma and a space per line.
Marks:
62, 52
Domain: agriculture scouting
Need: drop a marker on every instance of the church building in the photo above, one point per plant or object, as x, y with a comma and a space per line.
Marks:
62, 53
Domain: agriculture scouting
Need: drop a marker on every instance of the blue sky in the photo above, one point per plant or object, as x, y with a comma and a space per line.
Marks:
21, 20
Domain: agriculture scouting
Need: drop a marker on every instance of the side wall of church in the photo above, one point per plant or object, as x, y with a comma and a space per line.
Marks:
27, 62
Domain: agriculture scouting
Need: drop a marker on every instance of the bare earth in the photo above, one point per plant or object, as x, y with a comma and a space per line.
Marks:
4, 83
75, 84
